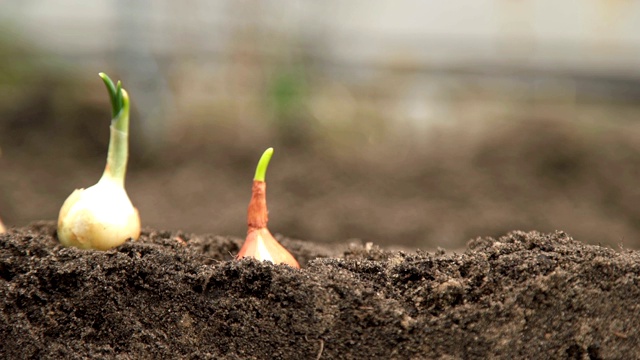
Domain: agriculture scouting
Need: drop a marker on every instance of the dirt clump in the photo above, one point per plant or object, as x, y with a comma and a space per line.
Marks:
176, 295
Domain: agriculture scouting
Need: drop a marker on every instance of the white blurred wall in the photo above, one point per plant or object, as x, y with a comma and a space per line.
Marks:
601, 35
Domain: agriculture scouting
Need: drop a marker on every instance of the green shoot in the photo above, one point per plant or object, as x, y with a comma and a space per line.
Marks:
261, 169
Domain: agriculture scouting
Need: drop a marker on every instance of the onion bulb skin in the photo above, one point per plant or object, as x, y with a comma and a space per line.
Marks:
100, 217
262, 246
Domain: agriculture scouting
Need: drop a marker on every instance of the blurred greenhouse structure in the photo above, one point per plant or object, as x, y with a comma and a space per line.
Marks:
365, 77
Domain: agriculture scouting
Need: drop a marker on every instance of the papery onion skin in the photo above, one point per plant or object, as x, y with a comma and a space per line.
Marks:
261, 245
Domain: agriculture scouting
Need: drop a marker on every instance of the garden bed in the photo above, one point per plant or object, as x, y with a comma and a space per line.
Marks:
176, 295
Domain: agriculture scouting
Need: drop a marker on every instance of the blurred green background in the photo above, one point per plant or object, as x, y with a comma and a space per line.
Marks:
420, 124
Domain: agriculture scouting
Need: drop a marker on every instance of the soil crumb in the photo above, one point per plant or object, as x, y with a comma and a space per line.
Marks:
173, 295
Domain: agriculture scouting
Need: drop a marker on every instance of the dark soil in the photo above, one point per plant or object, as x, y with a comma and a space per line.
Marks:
174, 295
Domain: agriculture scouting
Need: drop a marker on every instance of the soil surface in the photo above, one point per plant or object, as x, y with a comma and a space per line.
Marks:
175, 295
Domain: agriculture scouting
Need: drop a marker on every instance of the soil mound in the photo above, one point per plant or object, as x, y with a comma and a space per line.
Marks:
174, 295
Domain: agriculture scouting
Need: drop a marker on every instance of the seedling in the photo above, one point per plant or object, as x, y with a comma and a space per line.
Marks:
102, 217
260, 244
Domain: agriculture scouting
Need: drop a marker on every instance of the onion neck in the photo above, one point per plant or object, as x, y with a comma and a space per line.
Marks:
118, 154
257, 214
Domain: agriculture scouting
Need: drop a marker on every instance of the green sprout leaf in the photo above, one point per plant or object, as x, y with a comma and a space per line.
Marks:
115, 94
261, 170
